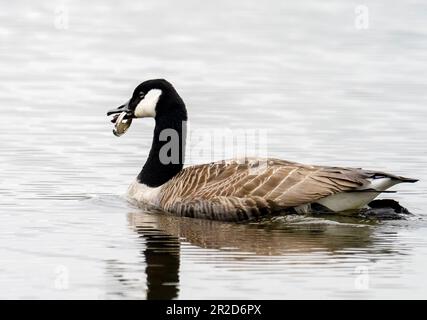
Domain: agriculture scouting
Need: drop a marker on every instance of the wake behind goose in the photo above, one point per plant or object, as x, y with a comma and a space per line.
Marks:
234, 190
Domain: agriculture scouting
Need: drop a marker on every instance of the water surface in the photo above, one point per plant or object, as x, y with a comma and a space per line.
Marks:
325, 91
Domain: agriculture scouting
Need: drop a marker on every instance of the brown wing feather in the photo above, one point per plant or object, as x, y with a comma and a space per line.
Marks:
238, 190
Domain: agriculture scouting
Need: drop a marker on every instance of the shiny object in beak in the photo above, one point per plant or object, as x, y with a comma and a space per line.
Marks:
121, 125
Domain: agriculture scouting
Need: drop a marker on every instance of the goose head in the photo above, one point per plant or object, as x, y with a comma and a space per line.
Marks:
155, 98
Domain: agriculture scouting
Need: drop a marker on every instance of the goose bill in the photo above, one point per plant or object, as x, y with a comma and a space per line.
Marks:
122, 108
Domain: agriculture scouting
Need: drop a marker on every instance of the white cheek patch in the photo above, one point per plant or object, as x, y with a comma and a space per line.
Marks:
147, 106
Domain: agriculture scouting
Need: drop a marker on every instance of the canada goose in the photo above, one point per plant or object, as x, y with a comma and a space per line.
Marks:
233, 190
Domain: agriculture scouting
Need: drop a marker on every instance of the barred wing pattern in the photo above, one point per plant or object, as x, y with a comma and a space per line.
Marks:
241, 190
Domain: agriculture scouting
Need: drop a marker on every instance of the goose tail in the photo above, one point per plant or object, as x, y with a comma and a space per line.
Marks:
407, 180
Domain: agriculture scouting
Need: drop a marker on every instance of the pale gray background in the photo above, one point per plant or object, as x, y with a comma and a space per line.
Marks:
328, 93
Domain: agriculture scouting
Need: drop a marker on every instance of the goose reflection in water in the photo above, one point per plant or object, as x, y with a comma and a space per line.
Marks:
162, 260
281, 238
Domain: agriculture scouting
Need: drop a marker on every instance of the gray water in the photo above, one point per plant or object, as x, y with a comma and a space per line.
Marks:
326, 90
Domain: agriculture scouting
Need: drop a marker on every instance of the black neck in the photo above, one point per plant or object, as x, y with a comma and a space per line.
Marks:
166, 158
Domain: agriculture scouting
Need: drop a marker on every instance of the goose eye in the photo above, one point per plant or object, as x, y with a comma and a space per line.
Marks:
141, 95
